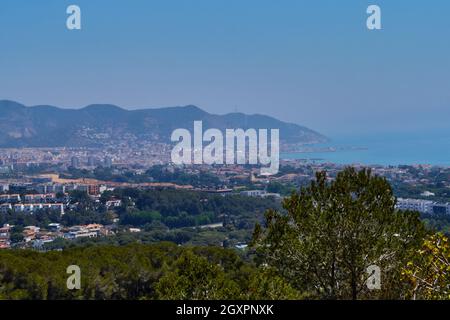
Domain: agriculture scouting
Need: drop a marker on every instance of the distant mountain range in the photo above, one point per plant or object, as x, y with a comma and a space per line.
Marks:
102, 125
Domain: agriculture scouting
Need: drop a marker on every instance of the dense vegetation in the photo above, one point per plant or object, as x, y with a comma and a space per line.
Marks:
320, 245
437, 183
162, 215
333, 233
178, 208
437, 222
163, 271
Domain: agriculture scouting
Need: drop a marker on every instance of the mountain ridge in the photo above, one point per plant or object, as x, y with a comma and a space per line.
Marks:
98, 125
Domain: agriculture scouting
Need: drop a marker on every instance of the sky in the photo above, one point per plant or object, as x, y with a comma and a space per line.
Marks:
311, 62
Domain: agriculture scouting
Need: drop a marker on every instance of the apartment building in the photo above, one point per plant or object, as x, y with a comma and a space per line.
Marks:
32, 207
5, 232
10, 198
5, 207
423, 206
87, 231
39, 198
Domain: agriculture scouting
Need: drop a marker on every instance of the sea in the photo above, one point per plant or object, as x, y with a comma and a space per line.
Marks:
380, 149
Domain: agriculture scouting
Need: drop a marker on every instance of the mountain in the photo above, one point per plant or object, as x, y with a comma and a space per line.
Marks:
100, 125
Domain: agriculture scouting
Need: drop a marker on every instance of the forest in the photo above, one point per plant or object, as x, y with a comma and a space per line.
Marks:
335, 239
161, 271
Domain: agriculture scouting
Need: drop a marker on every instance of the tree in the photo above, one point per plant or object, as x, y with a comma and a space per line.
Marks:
16, 237
267, 285
333, 231
281, 188
82, 198
429, 273
195, 278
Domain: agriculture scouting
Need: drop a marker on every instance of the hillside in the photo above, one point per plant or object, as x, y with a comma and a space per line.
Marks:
99, 125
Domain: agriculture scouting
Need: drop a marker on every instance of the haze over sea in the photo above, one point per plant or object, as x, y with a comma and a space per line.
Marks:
383, 149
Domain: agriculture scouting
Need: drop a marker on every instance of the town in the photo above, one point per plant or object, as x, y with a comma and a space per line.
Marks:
54, 180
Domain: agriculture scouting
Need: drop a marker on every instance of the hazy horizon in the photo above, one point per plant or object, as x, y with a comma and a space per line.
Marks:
313, 63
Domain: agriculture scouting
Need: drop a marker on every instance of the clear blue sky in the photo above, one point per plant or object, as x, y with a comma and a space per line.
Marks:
312, 62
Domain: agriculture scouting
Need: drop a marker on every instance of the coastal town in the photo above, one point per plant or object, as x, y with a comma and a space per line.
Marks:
42, 180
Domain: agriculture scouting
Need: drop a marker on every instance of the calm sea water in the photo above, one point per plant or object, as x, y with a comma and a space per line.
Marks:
409, 149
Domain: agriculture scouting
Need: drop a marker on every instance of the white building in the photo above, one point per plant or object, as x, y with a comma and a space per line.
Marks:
88, 231
32, 207
39, 198
427, 194
423, 206
254, 193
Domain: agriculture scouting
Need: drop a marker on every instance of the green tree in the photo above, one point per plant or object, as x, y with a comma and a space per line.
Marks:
429, 272
195, 278
333, 231
267, 285
17, 234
